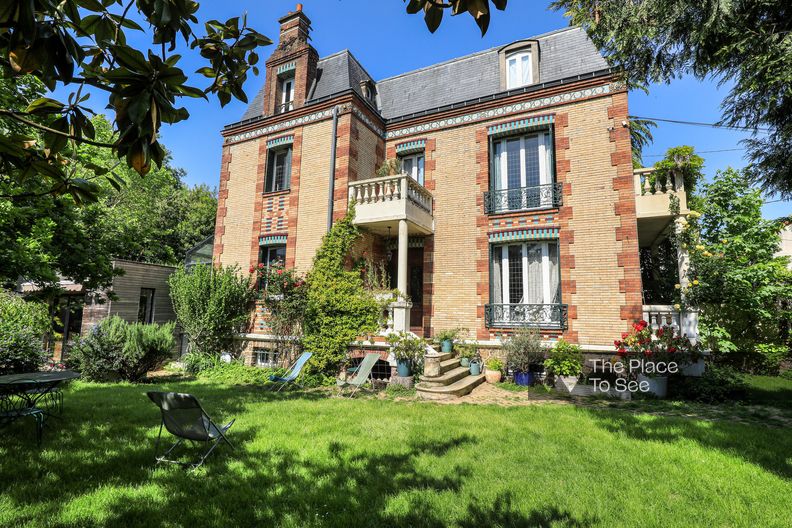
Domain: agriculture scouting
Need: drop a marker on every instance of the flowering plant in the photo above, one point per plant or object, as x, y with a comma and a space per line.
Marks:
662, 345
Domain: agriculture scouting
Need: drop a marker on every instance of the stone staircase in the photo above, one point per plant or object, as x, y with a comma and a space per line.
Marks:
444, 379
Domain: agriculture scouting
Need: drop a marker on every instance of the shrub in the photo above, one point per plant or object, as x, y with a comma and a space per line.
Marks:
494, 364
339, 308
195, 362
23, 325
237, 373
767, 359
212, 305
719, 383
117, 350
524, 351
565, 359
449, 335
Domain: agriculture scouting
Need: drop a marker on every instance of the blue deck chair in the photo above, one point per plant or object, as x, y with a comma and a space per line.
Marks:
361, 376
184, 418
290, 378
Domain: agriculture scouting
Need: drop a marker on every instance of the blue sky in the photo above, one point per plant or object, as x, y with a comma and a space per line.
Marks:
387, 41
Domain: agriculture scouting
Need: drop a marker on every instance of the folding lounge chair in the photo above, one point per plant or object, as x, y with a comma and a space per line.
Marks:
292, 374
184, 418
361, 376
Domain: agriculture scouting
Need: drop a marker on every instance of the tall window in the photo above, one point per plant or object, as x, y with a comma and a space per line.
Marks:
287, 94
271, 255
518, 70
525, 282
521, 166
146, 306
278, 170
413, 165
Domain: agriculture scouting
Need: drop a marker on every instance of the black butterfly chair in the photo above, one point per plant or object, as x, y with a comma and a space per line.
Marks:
184, 418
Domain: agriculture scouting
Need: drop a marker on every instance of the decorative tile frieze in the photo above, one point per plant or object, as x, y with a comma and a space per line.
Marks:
532, 104
272, 240
408, 147
523, 234
289, 66
520, 125
283, 140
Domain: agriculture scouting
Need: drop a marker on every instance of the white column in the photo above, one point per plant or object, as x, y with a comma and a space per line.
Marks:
683, 260
401, 308
401, 283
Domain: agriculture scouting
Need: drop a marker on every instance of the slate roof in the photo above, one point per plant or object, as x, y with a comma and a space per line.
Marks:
564, 53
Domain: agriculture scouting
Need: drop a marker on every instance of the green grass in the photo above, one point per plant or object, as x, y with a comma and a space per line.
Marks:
306, 459
769, 390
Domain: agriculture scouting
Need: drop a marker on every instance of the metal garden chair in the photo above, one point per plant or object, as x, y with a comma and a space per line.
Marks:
290, 378
184, 418
14, 407
361, 376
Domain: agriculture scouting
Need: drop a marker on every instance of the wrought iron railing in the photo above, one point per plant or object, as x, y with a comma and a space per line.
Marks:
526, 315
285, 107
540, 196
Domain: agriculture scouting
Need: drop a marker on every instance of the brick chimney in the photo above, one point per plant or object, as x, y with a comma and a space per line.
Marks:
291, 68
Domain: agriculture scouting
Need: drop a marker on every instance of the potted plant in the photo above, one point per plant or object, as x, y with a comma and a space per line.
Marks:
466, 353
446, 339
524, 355
565, 363
494, 367
408, 350
390, 167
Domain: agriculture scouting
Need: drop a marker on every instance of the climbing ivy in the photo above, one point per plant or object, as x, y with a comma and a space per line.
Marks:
339, 308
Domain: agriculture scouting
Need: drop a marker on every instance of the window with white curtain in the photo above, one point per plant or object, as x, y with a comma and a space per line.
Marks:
520, 165
518, 70
525, 273
413, 165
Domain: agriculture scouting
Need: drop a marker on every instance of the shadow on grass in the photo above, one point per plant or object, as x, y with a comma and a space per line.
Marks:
98, 471
765, 447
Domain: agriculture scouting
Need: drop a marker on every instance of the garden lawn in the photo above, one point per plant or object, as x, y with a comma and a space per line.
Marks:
305, 459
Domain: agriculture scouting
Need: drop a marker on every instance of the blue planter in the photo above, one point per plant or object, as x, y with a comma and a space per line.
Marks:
475, 368
524, 378
404, 368
447, 345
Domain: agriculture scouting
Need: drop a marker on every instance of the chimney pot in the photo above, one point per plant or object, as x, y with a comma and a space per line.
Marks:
299, 8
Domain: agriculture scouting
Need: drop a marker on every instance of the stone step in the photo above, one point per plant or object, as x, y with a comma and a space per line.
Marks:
449, 392
447, 378
448, 364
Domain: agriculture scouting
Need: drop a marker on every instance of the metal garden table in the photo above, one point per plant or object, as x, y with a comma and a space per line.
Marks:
22, 394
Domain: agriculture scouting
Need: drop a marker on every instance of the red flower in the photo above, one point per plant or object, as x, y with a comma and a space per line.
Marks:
280, 272
261, 265
617, 343
251, 269
672, 349
621, 351
624, 335
660, 332
647, 352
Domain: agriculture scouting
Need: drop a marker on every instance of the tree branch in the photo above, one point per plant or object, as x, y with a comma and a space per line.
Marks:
15, 115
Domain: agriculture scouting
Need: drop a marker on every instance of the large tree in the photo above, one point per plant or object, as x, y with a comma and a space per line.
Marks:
83, 43
746, 44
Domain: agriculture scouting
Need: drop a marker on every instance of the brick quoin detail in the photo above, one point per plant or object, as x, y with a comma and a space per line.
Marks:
222, 195
482, 241
566, 235
428, 249
627, 232
294, 198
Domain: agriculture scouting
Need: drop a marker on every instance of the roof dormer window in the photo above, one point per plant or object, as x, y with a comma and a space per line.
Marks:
287, 95
519, 71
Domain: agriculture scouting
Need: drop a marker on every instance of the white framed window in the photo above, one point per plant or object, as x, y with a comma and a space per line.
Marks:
265, 357
518, 70
287, 94
526, 288
278, 170
521, 165
413, 165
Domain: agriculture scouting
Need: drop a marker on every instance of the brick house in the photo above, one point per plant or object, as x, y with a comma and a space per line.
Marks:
517, 204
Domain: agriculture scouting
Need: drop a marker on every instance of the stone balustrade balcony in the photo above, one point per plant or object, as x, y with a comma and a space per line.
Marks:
381, 202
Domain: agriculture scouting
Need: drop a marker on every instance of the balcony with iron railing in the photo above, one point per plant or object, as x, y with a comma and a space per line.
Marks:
382, 202
524, 198
549, 316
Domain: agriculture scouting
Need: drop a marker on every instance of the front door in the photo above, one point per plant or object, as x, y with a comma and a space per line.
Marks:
415, 288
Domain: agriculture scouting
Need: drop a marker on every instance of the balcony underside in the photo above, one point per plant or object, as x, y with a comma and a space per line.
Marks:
390, 227
653, 230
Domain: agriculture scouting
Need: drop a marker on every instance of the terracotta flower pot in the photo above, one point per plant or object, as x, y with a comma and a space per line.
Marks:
493, 376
